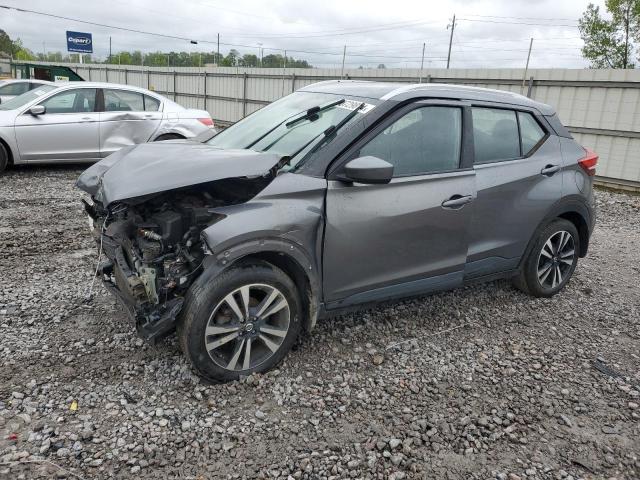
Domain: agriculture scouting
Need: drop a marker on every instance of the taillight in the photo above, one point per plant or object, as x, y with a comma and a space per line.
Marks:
206, 121
589, 162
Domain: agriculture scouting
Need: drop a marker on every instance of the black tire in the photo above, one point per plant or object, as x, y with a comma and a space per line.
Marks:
539, 270
169, 136
207, 295
4, 158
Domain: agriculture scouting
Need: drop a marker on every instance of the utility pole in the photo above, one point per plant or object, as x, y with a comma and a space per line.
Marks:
109, 48
344, 54
284, 69
453, 26
422, 62
524, 77
626, 36
218, 56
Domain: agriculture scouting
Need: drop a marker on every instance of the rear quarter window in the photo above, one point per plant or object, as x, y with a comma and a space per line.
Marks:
151, 104
530, 131
557, 126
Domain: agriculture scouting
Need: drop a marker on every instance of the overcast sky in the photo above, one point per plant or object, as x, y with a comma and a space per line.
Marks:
488, 33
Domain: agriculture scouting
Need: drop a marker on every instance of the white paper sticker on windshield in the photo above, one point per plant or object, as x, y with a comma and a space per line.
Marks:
38, 92
352, 105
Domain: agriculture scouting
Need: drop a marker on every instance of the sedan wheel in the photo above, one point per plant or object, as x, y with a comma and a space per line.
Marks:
247, 327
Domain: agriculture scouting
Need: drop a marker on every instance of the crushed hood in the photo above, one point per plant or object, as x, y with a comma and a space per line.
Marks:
151, 168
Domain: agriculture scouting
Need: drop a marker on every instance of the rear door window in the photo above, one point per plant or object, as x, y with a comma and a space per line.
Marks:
495, 134
123, 101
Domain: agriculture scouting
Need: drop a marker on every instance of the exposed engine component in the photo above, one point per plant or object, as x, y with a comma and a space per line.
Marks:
154, 247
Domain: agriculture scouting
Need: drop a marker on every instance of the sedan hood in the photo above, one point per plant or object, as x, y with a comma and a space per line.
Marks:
151, 168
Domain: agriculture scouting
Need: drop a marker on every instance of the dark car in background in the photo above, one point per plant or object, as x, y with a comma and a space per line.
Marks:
339, 195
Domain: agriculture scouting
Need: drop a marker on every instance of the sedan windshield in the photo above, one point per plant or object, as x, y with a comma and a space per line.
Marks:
290, 124
27, 97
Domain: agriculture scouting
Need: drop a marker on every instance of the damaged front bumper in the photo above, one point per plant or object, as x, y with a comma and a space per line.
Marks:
152, 324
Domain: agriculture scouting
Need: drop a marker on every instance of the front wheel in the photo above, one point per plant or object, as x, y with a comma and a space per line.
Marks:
552, 260
4, 158
243, 321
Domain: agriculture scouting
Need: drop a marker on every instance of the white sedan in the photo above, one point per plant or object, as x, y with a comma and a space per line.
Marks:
12, 88
87, 121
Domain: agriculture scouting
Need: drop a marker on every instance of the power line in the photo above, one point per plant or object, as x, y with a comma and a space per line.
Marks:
524, 18
339, 32
519, 23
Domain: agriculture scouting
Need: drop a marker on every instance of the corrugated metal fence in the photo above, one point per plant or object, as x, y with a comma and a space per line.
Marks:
600, 107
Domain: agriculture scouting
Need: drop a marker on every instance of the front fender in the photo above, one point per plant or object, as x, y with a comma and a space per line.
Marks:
286, 218
8, 138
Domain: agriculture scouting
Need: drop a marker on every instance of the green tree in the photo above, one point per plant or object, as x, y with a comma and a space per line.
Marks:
248, 60
14, 47
6, 44
610, 43
22, 53
231, 59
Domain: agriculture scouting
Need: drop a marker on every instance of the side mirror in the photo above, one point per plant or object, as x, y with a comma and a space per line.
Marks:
37, 110
372, 170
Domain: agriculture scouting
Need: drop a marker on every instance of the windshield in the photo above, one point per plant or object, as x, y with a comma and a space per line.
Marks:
27, 97
274, 128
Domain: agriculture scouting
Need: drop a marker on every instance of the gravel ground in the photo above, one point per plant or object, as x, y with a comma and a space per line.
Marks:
488, 383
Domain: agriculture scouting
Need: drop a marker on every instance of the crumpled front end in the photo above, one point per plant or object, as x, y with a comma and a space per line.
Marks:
150, 203
154, 250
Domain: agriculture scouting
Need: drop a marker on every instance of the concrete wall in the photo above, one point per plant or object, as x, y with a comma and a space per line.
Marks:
600, 107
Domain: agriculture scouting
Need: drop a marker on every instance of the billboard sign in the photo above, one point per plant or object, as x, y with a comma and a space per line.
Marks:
79, 42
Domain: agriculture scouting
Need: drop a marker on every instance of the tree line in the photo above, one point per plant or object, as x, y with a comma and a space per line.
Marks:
16, 50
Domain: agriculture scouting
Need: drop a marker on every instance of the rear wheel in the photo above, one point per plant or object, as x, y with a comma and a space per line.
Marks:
552, 260
169, 136
243, 321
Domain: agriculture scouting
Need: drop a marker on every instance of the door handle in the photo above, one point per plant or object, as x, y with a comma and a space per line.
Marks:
549, 170
85, 119
457, 201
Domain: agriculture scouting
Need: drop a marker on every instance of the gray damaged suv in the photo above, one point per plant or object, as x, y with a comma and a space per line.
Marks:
339, 195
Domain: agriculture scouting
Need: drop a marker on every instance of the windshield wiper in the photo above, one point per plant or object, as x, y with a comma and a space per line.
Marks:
330, 131
309, 113
314, 111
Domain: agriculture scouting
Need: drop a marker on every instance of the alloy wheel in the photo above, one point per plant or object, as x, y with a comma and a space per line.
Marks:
247, 327
556, 259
